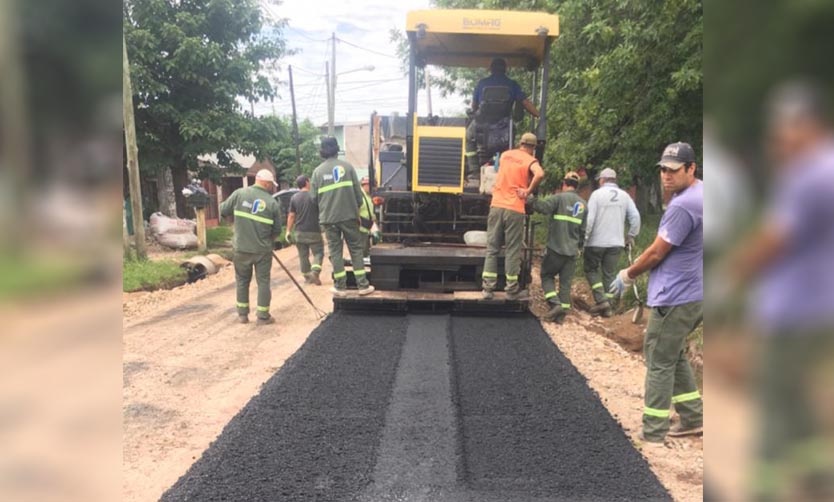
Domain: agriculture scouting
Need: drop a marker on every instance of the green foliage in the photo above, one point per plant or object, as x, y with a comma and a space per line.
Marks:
751, 47
22, 276
219, 236
191, 61
148, 275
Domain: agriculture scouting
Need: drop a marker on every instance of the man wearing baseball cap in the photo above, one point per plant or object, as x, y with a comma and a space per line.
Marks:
609, 207
675, 262
566, 215
497, 78
519, 173
257, 225
304, 220
334, 186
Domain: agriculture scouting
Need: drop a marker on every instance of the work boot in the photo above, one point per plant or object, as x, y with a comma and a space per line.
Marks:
315, 278
338, 293
518, 295
555, 314
265, 320
308, 278
366, 290
653, 443
487, 295
607, 312
243, 318
679, 430
600, 308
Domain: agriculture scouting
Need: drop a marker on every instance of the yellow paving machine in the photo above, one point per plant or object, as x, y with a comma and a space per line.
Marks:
431, 207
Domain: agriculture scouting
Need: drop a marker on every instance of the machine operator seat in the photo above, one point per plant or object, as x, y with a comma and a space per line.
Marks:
493, 123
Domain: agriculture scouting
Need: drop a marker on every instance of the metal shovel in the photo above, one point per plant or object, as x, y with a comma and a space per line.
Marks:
638, 312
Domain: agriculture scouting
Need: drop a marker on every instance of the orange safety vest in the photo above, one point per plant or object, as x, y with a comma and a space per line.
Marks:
513, 173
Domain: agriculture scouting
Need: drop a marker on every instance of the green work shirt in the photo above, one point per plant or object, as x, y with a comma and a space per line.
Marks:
257, 219
335, 187
566, 214
366, 213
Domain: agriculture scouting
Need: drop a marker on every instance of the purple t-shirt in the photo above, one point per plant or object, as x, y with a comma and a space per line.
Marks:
679, 278
797, 291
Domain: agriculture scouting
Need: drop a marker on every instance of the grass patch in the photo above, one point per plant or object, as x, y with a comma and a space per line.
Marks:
147, 275
22, 276
220, 236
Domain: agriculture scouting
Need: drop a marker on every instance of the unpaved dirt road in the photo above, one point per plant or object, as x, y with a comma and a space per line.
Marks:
189, 368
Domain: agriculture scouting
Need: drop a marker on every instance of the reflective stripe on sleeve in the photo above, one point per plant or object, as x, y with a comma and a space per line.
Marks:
334, 186
250, 216
570, 219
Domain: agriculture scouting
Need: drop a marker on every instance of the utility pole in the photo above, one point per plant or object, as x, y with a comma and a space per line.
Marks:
132, 157
295, 138
329, 99
428, 88
331, 131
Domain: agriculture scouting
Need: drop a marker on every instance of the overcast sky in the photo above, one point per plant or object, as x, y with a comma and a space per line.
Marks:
363, 23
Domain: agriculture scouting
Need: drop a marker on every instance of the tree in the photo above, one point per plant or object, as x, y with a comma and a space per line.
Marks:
191, 62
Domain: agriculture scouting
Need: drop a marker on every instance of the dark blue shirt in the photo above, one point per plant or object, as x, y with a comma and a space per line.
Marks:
498, 81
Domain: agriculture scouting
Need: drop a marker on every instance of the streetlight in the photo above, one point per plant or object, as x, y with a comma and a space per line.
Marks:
331, 95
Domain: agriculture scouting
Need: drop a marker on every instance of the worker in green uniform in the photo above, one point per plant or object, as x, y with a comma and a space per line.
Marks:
566, 217
257, 225
334, 186
367, 218
303, 230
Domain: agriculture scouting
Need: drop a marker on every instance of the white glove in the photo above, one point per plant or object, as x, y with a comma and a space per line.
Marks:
620, 283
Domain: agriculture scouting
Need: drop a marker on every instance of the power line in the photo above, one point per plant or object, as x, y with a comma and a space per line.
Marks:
368, 50
307, 36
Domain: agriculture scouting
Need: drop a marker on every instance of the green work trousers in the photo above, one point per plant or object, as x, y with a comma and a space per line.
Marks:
792, 445
346, 232
306, 243
606, 259
504, 228
366, 241
669, 378
244, 263
553, 265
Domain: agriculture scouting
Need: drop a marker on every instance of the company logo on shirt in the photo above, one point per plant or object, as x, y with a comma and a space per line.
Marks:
258, 206
578, 209
338, 173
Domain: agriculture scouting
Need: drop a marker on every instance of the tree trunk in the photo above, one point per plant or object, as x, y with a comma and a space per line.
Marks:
165, 193
179, 175
648, 194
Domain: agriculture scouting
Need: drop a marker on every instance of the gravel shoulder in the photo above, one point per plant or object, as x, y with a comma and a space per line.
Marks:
189, 368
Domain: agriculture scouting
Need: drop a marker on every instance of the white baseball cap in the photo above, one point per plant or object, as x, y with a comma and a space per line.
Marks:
607, 173
266, 175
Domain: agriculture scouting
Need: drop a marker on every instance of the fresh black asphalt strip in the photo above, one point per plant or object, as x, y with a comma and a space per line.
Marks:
423, 408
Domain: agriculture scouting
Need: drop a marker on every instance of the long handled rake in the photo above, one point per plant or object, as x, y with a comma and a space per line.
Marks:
320, 314
638, 312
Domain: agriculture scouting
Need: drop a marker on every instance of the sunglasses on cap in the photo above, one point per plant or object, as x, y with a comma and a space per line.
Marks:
664, 169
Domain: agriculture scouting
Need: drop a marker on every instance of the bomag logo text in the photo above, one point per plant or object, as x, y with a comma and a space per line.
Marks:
485, 23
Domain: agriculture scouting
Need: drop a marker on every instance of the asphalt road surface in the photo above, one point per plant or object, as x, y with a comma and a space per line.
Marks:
423, 408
